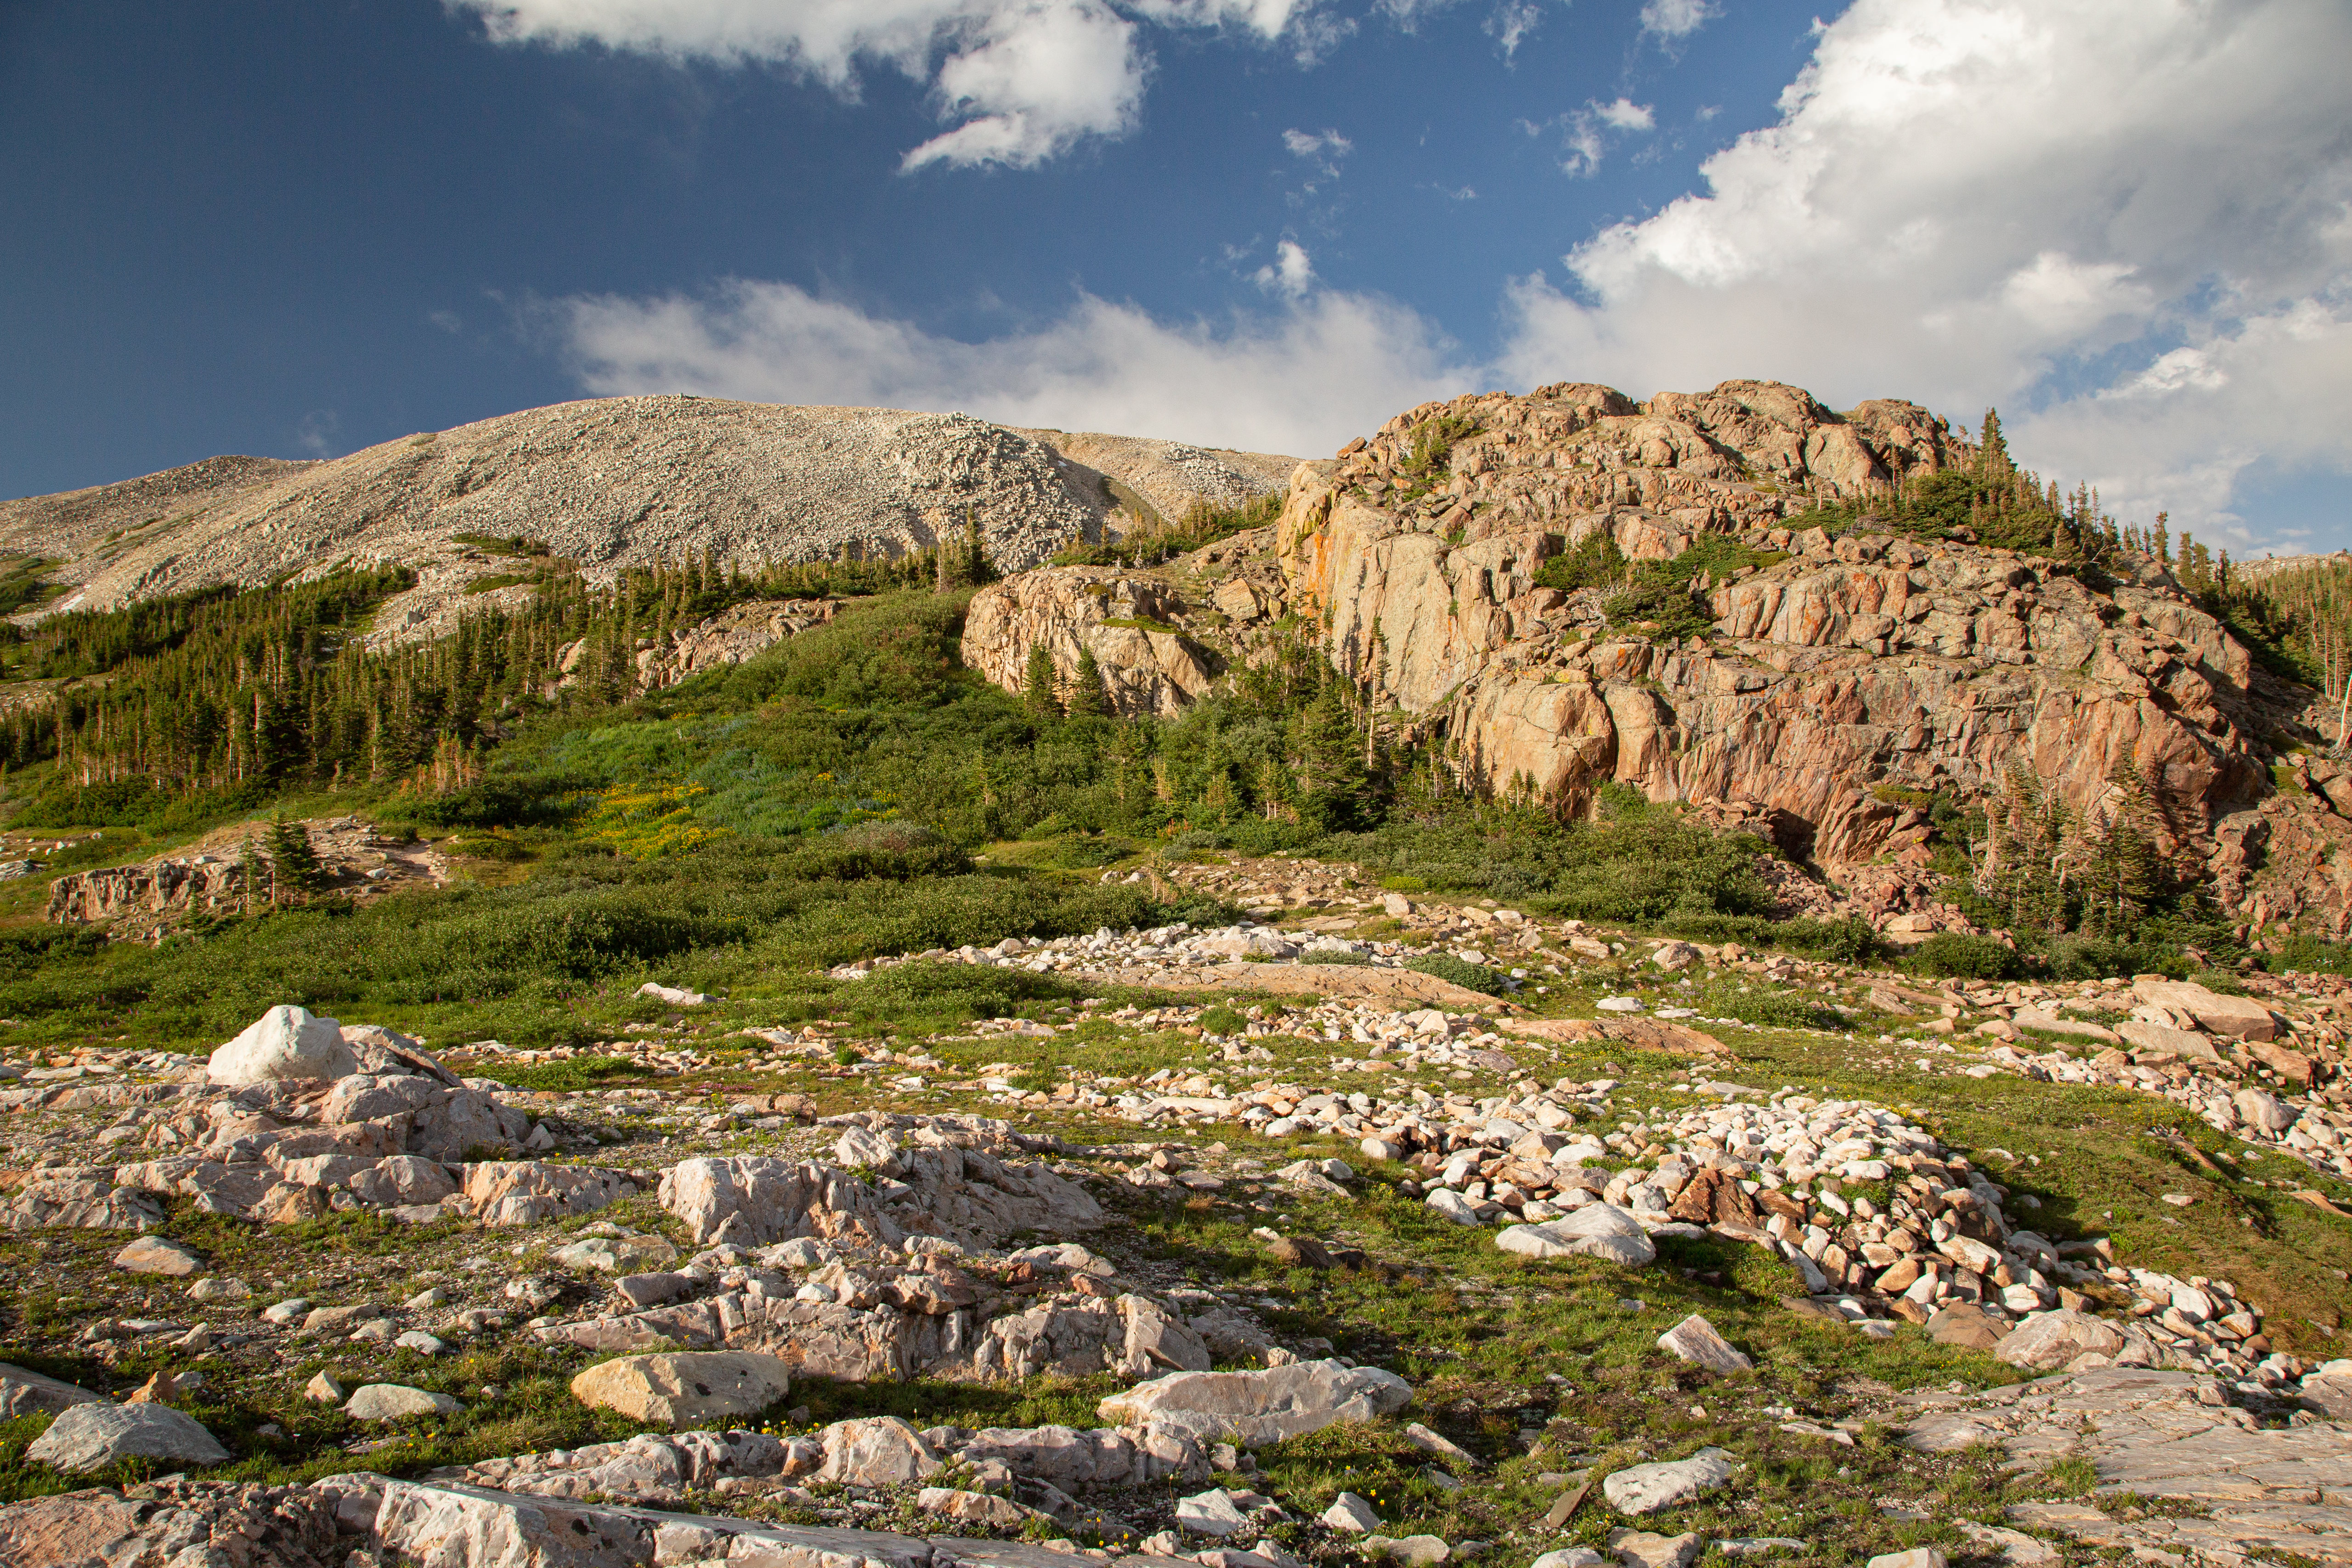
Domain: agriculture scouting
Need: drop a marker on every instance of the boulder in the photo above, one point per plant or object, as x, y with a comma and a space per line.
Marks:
616, 1254
29, 1393
1351, 1515
397, 1402
1596, 1230
1694, 1339
685, 1388
2048, 1341
93, 1437
1645, 1489
1210, 1513
154, 1255
1964, 1323
2185, 1043
284, 1042
879, 1452
2237, 1017
1258, 1408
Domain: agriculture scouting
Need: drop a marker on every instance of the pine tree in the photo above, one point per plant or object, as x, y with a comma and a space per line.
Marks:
1037, 681
293, 863
1088, 698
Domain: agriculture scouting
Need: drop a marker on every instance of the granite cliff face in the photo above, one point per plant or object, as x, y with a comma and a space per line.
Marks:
1837, 675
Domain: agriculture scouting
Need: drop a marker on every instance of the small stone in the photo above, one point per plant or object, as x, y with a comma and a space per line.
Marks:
973, 1508
1917, 1557
2014, 1546
1417, 1551
1640, 1549
211, 1290
154, 1255
1759, 1545
1352, 1514
324, 1389
398, 1402
91, 1437
1694, 1339
1569, 1557
420, 1342
424, 1300
26, 1393
1436, 1443
285, 1312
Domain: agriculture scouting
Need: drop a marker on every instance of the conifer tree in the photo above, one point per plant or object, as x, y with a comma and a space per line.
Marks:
1088, 698
1038, 681
293, 863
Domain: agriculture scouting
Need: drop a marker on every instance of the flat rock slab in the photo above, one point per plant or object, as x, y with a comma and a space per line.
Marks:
91, 1437
1645, 1489
685, 1388
1317, 979
154, 1255
1259, 1407
397, 1402
1641, 1549
1694, 1339
2163, 1434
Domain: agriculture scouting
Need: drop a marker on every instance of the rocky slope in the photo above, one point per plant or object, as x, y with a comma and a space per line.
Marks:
612, 484
1835, 673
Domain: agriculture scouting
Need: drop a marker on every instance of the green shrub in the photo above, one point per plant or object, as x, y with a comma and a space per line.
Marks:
1223, 1019
1766, 1009
1960, 956
1597, 562
1333, 956
1460, 972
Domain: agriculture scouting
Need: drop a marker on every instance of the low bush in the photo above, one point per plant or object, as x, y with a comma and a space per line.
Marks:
1460, 972
1957, 956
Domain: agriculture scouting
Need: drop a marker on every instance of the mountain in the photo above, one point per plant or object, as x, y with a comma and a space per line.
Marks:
613, 484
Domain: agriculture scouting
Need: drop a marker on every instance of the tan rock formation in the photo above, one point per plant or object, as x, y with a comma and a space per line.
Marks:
1124, 617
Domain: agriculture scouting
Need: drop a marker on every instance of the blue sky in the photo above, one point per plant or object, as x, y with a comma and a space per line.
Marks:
299, 229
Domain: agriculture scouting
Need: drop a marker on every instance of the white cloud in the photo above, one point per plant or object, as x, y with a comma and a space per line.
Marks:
1975, 201
1672, 19
1625, 115
1021, 81
1291, 274
1511, 22
1320, 369
1582, 142
1308, 144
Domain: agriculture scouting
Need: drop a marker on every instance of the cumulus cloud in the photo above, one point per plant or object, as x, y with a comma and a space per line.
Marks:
1020, 81
1511, 22
1981, 201
1292, 272
1303, 378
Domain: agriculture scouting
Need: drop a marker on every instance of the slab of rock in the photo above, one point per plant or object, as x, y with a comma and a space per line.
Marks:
973, 1508
1351, 1515
1437, 1443
2185, 1043
1256, 1408
1694, 1339
154, 1255
1645, 1489
1917, 1557
2014, 1547
1210, 1513
1964, 1323
29, 1393
1414, 1551
1596, 1230
2045, 1342
687, 1387
91, 1437
1569, 1557
1640, 1549
879, 1452
2237, 1017
616, 1254
284, 1042
397, 1402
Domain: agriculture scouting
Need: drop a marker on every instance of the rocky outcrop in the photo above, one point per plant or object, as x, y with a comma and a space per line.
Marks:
730, 637
1125, 619
142, 901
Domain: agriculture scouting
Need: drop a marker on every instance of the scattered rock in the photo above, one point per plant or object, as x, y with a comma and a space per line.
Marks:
397, 1402
1352, 1515
154, 1255
1210, 1513
1694, 1339
29, 1393
1645, 1489
2048, 1341
1640, 1549
324, 1389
